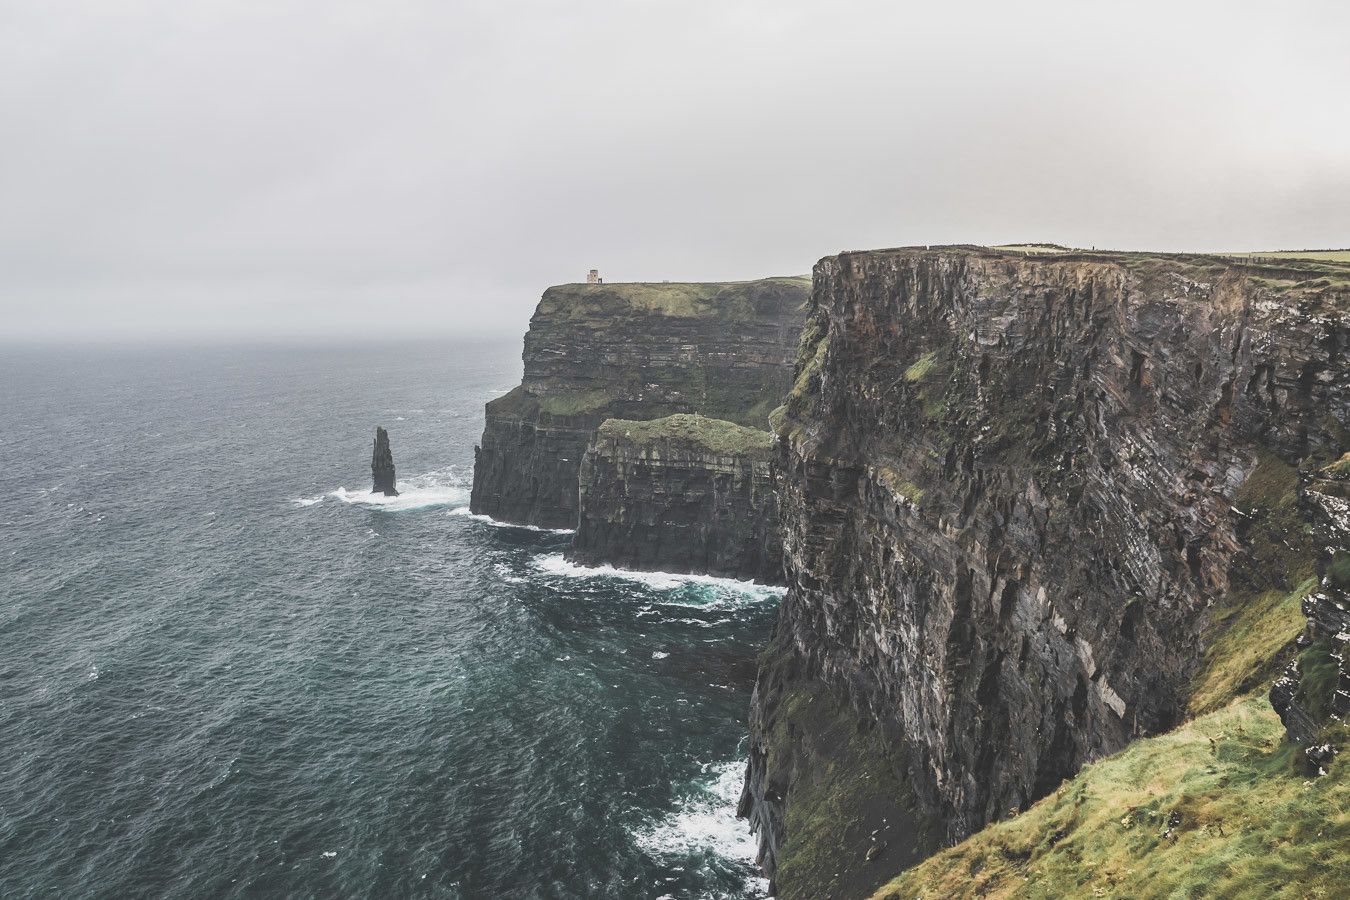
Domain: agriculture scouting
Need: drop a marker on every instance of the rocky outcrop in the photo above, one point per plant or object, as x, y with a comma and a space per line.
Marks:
631, 351
680, 494
1313, 695
1010, 501
382, 465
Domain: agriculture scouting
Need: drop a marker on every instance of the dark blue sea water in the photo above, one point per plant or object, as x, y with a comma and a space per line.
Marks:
227, 671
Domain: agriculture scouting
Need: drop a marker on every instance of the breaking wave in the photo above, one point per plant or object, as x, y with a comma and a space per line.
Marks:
444, 487
704, 824
488, 520
696, 590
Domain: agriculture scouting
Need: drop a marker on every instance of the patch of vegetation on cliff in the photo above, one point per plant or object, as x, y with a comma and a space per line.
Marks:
1247, 653
812, 347
575, 403
715, 436
732, 300
1250, 634
898, 484
1215, 808
931, 372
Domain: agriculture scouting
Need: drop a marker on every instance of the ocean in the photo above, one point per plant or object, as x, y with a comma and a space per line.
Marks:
226, 670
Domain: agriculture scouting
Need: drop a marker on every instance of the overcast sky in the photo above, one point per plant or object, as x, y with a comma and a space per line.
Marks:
317, 168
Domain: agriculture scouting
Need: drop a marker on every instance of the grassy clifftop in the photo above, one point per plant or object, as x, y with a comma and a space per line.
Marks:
732, 300
1216, 808
700, 433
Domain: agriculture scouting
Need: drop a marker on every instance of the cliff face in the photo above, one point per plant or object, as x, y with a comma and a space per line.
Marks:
1022, 499
680, 494
632, 351
1313, 695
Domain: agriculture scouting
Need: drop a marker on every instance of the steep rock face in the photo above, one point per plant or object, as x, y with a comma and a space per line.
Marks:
680, 494
382, 465
1313, 695
632, 351
1008, 504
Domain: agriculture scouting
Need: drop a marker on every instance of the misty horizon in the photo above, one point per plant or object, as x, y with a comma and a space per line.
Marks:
319, 172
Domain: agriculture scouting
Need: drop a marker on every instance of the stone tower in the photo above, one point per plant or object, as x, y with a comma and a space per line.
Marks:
593, 277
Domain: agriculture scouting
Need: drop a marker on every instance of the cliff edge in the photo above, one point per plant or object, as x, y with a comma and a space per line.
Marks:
1034, 506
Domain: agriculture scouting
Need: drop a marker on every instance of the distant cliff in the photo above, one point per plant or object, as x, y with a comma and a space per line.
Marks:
1033, 506
680, 494
629, 351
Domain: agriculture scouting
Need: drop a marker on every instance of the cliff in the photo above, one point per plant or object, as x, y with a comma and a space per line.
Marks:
680, 494
1034, 506
630, 351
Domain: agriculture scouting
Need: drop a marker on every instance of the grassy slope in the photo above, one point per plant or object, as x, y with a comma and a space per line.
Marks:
696, 432
732, 300
1215, 808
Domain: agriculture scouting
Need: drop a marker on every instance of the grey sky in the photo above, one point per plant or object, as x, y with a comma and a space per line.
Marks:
293, 168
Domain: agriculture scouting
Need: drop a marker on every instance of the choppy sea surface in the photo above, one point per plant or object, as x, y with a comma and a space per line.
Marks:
226, 670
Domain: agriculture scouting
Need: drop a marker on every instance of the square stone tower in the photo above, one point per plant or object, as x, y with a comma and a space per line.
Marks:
593, 277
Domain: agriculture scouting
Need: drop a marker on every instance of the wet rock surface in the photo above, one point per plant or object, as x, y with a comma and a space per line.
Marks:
1008, 501
382, 465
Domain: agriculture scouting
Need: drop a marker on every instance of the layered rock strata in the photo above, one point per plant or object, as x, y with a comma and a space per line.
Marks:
1313, 695
681, 494
1012, 502
631, 351
382, 465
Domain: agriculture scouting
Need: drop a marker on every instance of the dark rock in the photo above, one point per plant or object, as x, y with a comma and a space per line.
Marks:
629, 351
680, 494
382, 465
1314, 689
1008, 495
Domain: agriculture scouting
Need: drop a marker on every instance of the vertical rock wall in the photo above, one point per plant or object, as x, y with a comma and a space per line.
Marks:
680, 494
633, 351
1010, 500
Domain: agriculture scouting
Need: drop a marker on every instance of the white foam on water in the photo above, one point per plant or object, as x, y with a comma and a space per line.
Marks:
444, 487
505, 574
722, 588
488, 520
704, 822
659, 654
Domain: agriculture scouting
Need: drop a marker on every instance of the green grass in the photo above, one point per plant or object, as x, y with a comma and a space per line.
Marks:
1321, 255
1340, 467
732, 300
921, 366
575, 403
1273, 484
897, 484
1215, 808
696, 432
1249, 649
1249, 636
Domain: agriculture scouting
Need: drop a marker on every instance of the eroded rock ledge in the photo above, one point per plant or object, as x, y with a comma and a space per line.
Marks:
1024, 498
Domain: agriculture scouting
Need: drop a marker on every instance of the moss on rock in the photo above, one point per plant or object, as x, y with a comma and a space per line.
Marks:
700, 433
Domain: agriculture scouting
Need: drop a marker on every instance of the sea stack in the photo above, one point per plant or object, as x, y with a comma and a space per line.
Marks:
382, 465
